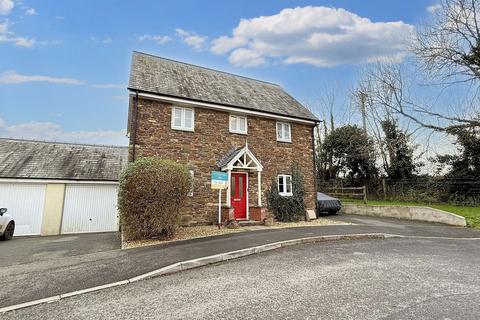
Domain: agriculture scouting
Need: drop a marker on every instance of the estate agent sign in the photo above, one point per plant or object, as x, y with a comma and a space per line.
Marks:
219, 182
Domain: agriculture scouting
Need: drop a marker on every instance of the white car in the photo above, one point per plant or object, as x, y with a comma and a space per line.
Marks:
7, 225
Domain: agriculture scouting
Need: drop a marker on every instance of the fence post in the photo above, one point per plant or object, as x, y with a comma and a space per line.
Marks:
364, 194
384, 188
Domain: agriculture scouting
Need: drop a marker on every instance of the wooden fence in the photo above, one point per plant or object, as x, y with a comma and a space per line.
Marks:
347, 192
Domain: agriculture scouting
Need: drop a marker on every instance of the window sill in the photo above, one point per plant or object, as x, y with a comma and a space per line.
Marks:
182, 129
285, 194
284, 141
239, 132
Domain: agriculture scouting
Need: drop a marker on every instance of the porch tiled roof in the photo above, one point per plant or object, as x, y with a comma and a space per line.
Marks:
223, 161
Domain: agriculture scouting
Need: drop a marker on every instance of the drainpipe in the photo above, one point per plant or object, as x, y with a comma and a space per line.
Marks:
134, 127
315, 182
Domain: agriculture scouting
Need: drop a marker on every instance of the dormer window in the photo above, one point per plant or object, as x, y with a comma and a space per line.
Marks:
238, 124
284, 132
183, 118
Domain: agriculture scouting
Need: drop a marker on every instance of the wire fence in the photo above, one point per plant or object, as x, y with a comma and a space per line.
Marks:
422, 189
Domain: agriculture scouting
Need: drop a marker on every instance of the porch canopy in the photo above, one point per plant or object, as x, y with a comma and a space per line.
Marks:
241, 159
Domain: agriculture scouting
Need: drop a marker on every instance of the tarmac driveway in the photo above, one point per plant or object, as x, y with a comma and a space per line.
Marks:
22, 250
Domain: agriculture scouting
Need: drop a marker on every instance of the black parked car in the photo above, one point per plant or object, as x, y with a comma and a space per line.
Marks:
327, 204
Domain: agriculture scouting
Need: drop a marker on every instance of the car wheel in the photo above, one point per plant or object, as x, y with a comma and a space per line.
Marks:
8, 234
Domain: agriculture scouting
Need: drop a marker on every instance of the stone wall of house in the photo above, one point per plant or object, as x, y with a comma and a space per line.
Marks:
200, 150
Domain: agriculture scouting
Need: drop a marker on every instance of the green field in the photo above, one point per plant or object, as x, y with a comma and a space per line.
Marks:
471, 214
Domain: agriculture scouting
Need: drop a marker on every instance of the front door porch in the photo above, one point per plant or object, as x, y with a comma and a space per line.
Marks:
240, 164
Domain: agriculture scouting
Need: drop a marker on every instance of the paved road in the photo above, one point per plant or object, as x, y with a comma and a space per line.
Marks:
374, 279
45, 278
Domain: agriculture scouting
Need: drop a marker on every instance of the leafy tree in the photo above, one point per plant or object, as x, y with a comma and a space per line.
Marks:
463, 174
352, 153
401, 164
465, 164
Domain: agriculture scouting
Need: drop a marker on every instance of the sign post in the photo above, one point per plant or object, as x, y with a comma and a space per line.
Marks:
219, 182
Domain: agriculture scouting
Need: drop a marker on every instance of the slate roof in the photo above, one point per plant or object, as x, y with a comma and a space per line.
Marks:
223, 161
172, 78
29, 159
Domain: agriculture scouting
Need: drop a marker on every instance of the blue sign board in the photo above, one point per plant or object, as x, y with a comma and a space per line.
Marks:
219, 180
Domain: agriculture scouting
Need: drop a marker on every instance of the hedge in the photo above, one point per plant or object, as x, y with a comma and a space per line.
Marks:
151, 194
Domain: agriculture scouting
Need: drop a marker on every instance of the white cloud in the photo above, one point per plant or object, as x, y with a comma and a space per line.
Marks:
30, 12
106, 40
191, 39
224, 44
320, 36
434, 8
246, 58
8, 36
6, 7
109, 86
12, 77
49, 42
157, 38
23, 42
4, 27
51, 131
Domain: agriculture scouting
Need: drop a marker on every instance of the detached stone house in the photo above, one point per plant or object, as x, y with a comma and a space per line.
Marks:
216, 121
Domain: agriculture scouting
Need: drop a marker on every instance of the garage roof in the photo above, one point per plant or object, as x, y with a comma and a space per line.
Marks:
28, 159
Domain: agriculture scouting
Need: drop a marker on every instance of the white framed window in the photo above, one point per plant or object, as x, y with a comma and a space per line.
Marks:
238, 124
285, 185
284, 132
190, 193
183, 118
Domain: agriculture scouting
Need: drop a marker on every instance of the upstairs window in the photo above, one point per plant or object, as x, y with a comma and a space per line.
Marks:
283, 132
238, 124
183, 118
285, 185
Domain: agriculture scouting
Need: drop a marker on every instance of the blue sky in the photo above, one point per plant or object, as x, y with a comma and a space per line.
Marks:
64, 64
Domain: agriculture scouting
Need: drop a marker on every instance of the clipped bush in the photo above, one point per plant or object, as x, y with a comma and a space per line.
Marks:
151, 194
291, 208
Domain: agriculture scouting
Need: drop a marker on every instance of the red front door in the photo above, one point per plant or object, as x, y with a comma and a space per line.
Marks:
238, 195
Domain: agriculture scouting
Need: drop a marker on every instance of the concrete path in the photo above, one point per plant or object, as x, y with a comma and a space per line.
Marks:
364, 279
36, 280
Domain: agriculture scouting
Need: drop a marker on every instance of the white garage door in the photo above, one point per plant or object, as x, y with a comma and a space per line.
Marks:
90, 208
25, 204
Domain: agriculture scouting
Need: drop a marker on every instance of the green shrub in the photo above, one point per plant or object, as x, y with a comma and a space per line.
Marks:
290, 208
151, 194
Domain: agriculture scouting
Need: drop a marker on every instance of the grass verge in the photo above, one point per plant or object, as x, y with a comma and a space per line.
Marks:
471, 214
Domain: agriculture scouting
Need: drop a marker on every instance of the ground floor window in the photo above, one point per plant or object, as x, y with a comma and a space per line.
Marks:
285, 185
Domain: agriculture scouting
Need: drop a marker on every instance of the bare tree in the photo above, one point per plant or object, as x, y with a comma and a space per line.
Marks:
389, 89
449, 46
